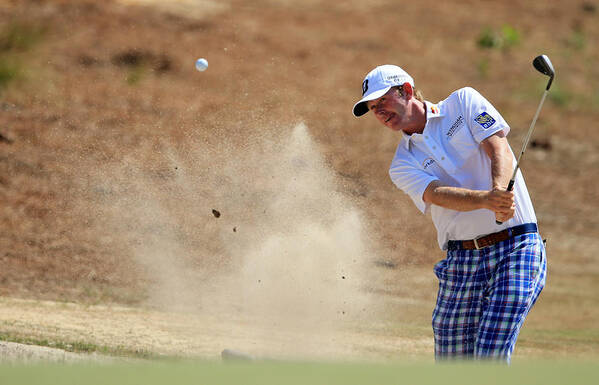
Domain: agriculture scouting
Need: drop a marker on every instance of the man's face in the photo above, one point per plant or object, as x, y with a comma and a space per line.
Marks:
392, 109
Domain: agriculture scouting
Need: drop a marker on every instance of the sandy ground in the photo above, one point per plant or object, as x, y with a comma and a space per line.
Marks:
193, 335
15, 353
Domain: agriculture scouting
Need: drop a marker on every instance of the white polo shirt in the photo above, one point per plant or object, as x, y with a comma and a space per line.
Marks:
449, 150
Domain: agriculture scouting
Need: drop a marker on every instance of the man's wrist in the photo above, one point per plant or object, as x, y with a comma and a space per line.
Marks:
481, 198
500, 186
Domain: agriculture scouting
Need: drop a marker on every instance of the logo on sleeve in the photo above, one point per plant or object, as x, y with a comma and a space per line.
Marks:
485, 120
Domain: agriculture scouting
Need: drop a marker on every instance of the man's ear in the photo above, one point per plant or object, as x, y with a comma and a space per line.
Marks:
408, 90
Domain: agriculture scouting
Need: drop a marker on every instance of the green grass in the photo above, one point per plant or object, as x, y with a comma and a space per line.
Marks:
135, 75
16, 38
577, 40
505, 39
533, 86
510, 36
20, 36
265, 373
483, 67
560, 96
10, 70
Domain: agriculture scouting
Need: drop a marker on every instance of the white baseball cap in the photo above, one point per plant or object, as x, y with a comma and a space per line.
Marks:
378, 82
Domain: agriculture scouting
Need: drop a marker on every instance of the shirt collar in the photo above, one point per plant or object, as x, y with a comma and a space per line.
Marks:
432, 111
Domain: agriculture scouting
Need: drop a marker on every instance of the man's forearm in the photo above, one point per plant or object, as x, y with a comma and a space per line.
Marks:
462, 199
499, 152
455, 198
497, 199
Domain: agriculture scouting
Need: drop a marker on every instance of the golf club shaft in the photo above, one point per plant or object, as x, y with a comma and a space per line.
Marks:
510, 185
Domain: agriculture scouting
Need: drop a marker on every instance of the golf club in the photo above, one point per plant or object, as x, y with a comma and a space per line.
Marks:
544, 66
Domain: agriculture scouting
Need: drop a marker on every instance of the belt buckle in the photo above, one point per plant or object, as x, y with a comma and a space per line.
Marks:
476, 242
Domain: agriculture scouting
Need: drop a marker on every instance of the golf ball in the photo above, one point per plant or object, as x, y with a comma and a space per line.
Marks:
201, 64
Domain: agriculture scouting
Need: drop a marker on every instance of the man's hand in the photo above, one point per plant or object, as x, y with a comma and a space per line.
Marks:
502, 203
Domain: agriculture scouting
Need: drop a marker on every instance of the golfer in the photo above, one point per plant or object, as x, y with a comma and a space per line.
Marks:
454, 162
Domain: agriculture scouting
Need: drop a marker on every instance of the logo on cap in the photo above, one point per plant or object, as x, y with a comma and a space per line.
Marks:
395, 78
364, 86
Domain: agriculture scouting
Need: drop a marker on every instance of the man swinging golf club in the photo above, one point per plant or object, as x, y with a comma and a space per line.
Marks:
454, 161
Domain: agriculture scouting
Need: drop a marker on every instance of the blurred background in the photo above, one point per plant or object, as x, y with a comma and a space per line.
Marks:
128, 178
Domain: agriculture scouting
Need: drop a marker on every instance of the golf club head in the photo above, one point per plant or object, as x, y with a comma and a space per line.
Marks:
544, 66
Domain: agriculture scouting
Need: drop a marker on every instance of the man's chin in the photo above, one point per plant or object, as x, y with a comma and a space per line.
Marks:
394, 126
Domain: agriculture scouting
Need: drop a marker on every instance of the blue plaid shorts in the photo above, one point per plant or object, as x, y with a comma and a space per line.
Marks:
484, 297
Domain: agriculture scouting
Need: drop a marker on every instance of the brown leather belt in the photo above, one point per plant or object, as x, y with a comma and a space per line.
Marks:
491, 239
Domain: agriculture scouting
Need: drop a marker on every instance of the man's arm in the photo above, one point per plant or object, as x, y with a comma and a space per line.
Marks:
462, 199
497, 200
498, 150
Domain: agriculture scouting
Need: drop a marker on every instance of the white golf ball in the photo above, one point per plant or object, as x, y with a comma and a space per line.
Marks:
201, 64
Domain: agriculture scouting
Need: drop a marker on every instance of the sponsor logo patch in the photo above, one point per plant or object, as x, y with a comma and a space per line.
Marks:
427, 163
455, 127
485, 120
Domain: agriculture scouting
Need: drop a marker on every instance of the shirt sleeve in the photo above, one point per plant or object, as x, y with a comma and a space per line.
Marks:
412, 180
483, 119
